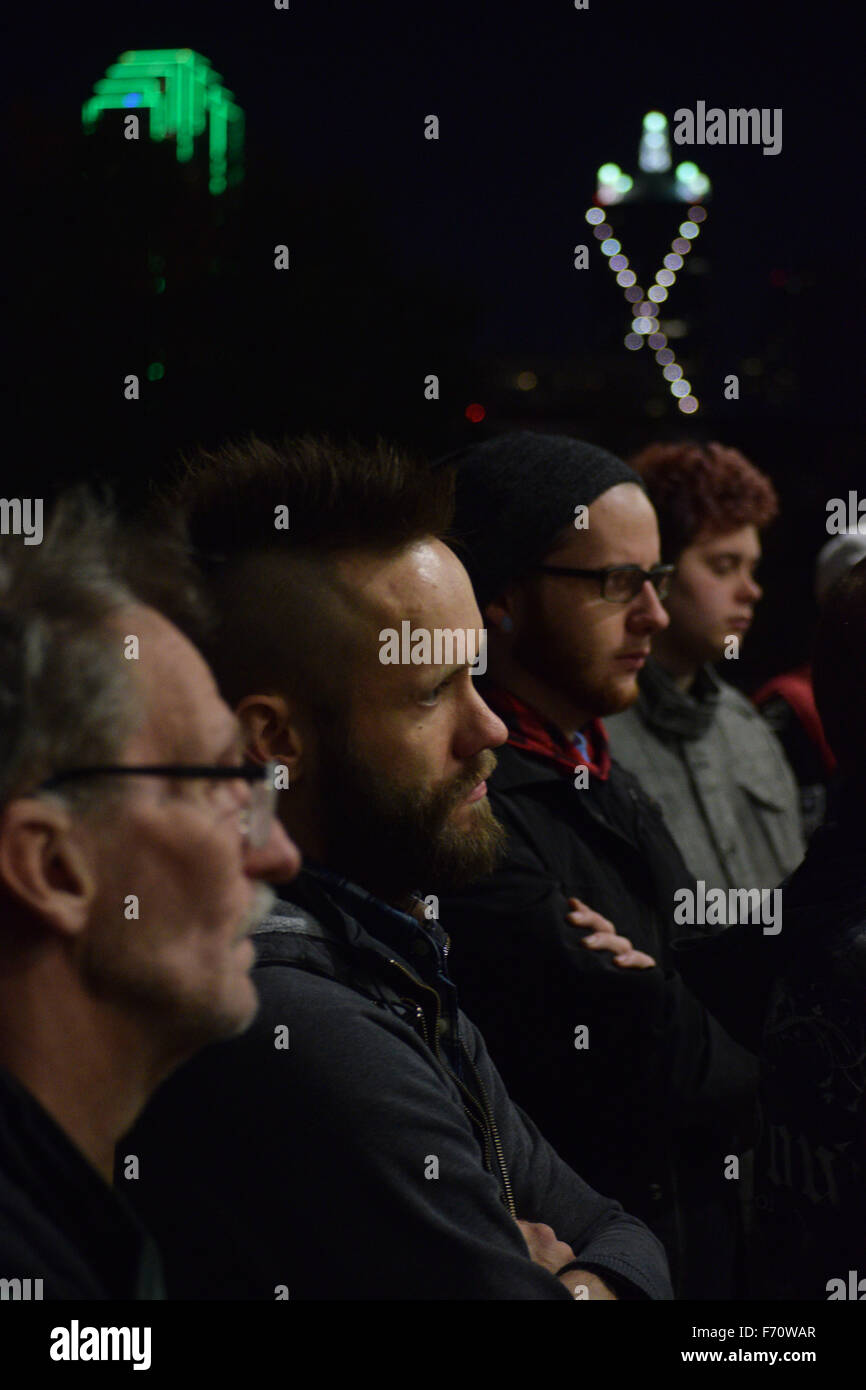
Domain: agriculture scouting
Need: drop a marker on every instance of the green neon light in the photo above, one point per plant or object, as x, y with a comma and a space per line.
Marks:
654, 122
185, 97
160, 55
218, 143
137, 69
127, 84
199, 102
185, 134
156, 371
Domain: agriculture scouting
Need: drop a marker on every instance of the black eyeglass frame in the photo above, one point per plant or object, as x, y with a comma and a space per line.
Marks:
659, 576
248, 772
256, 774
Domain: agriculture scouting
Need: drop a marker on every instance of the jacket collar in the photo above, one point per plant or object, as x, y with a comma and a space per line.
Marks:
326, 913
322, 906
685, 714
388, 925
532, 733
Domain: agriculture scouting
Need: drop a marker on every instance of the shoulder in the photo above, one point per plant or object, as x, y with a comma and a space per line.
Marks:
626, 785
326, 1017
516, 769
628, 723
735, 705
739, 717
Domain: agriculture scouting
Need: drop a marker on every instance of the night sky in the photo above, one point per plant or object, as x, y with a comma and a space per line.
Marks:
452, 255
531, 98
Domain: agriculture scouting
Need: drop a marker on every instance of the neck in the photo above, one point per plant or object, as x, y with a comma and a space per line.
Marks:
551, 704
87, 1070
681, 667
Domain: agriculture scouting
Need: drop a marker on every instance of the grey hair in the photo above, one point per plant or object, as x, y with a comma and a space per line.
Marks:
67, 696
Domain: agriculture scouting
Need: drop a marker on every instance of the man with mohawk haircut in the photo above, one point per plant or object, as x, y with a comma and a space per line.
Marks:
358, 1143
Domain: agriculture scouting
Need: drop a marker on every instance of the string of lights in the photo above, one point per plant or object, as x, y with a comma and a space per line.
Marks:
691, 185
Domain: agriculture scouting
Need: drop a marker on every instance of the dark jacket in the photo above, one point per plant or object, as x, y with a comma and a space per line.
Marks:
64, 1233
799, 1000
649, 1111
378, 1156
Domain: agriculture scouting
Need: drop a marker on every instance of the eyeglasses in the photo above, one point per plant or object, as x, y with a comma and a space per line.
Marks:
254, 819
621, 583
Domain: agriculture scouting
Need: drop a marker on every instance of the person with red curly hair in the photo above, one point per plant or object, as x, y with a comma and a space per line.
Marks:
699, 747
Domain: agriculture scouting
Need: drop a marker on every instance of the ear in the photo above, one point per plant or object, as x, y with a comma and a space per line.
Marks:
272, 730
44, 865
500, 614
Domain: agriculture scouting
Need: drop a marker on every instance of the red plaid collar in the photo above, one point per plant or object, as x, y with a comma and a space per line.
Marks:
531, 732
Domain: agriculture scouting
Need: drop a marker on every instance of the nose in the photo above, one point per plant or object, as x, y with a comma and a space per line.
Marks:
278, 861
479, 728
751, 588
648, 614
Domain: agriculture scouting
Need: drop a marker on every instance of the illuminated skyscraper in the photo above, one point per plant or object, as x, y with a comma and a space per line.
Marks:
183, 99
647, 226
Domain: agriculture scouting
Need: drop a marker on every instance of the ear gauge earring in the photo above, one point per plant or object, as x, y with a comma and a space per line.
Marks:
506, 625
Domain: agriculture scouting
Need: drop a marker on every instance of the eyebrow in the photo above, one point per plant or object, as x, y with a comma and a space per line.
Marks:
434, 675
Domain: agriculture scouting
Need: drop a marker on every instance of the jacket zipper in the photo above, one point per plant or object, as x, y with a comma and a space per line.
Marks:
492, 1132
497, 1142
419, 1015
430, 990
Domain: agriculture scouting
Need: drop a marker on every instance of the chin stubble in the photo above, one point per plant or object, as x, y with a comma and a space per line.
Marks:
263, 900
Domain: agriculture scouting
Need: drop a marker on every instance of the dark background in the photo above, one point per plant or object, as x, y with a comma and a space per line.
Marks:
452, 257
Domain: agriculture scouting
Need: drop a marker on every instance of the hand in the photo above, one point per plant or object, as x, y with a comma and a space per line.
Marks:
544, 1247
547, 1250
604, 937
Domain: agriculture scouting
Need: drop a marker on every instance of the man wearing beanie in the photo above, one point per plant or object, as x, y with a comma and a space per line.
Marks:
634, 1082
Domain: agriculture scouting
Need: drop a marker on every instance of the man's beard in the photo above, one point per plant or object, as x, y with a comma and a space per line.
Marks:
393, 839
572, 675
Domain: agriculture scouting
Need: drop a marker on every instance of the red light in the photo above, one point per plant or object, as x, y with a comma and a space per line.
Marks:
475, 413
778, 278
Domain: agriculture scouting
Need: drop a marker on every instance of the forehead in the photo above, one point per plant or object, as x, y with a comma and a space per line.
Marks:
184, 718
425, 583
744, 541
622, 530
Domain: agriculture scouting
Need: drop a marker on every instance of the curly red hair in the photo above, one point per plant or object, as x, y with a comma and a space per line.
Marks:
703, 488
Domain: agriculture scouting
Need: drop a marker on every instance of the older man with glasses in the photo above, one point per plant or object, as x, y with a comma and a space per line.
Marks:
563, 952
132, 842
